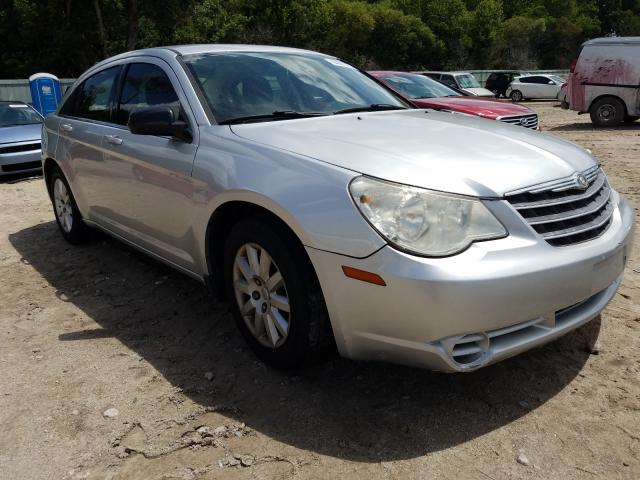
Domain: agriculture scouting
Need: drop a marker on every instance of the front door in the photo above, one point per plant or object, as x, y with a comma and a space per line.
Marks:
150, 183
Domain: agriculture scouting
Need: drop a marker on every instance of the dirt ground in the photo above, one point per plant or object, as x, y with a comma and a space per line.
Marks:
85, 330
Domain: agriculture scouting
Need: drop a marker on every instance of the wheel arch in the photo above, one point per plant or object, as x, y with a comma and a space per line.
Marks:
49, 165
222, 220
609, 95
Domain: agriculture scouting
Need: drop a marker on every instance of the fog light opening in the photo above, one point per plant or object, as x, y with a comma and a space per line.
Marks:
470, 350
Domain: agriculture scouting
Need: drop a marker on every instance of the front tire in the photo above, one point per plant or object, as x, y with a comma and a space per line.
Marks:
517, 96
65, 209
607, 112
275, 296
630, 119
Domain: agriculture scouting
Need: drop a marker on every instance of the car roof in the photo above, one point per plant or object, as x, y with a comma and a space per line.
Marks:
389, 72
459, 72
537, 75
171, 51
613, 41
220, 47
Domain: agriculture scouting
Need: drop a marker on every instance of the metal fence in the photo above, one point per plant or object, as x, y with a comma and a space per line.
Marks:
18, 90
482, 75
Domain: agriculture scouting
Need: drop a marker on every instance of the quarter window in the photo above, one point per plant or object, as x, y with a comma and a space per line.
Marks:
146, 85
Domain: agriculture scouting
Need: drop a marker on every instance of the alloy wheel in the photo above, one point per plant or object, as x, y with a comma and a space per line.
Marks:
261, 295
62, 202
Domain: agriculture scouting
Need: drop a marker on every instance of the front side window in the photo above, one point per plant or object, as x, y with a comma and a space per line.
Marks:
240, 85
93, 98
14, 114
419, 86
146, 85
467, 80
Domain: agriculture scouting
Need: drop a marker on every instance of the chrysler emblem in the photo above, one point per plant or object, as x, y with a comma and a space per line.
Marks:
581, 181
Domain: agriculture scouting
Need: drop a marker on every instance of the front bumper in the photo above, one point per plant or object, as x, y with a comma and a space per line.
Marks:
495, 300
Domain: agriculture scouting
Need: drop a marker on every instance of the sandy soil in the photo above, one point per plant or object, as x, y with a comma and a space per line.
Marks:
85, 330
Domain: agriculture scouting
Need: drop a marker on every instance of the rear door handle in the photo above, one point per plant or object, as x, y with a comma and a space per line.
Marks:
113, 139
66, 127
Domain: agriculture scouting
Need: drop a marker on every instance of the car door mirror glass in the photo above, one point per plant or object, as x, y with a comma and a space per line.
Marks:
159, 121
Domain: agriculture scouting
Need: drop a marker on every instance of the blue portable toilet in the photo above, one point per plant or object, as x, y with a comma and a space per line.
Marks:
45, 92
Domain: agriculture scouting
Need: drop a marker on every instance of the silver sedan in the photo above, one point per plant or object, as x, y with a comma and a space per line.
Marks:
329, 212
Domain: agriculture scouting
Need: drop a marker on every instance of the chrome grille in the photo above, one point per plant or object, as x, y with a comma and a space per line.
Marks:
527, 121
564, 214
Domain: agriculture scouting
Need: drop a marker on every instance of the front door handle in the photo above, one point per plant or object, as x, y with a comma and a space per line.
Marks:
113, 139
66, 127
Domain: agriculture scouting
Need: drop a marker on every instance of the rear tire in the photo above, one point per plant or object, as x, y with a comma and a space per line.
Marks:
65, 209
607, 112
276, 299
517, 96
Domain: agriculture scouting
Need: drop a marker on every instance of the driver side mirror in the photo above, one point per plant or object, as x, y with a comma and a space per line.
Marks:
158, 121
551, 82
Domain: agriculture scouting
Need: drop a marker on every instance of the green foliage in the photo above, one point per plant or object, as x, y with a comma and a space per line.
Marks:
67, 36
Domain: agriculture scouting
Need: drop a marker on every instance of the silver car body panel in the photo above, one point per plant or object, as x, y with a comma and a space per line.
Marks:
300, 171
452, 153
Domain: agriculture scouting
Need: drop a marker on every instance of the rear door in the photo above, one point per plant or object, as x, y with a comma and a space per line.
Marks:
150, 183
85, 118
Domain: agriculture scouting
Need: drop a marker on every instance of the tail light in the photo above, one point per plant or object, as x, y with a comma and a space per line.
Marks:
572, 66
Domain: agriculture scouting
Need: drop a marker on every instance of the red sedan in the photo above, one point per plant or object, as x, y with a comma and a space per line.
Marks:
424, 92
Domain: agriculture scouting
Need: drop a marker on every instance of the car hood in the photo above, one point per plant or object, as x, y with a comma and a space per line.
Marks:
480, 92
474, 106
20, 133
452, 153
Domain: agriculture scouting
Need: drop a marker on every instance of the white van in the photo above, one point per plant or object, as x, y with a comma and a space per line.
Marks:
605, 80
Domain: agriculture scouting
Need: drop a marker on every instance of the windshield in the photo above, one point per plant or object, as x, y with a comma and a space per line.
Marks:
557, 79
241, 85
12, 114
466, 80
419, 86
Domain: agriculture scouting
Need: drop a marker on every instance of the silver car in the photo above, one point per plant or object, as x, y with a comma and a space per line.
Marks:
329, 212
20, 130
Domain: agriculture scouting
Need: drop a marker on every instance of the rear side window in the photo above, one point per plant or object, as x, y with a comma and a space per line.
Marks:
538, 80
146, 85
92, 99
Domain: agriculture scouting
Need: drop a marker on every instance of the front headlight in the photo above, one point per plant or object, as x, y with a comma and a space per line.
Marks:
421, 221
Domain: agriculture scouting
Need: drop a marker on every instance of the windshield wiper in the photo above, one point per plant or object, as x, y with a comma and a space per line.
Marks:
277, 115
375, 107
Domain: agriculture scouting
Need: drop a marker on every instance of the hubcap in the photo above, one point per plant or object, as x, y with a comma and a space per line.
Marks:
261, 295
62, 203
606, 112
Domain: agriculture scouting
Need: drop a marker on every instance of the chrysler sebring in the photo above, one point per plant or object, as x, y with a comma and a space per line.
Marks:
330, 212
